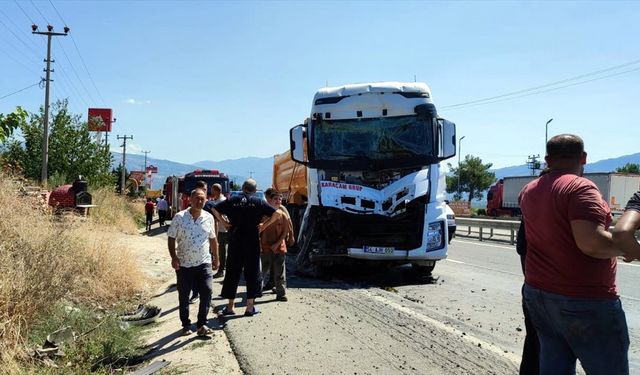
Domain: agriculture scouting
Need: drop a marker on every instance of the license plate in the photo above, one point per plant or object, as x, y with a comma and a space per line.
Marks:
378, 250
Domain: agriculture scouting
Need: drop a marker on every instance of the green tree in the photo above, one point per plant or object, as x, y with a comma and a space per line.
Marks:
116, 175
11, 122
474, 176
629, 168
72, 151
234, 186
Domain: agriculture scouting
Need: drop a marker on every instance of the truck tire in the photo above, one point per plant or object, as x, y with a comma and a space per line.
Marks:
423, 271
303, 261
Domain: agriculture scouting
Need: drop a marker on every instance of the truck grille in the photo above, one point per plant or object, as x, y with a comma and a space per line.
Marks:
340, 230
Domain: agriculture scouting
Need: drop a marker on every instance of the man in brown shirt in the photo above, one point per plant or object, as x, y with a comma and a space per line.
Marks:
272, 243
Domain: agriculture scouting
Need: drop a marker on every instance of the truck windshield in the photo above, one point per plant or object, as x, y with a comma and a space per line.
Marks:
373, 143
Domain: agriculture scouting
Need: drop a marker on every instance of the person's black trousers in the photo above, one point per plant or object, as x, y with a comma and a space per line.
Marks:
200, 278
243, 255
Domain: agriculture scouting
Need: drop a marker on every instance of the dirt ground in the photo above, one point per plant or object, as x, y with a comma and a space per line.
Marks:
187, 354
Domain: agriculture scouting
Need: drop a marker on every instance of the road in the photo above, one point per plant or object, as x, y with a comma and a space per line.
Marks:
465, 320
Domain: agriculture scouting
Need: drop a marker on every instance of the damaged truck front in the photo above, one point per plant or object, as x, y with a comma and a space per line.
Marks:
375, 184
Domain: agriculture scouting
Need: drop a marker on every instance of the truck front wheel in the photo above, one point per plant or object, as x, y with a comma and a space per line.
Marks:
423, 271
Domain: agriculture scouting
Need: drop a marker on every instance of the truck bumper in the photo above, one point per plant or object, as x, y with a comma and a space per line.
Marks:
399, 255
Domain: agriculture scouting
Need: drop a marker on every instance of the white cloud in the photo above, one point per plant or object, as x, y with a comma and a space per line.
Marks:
133, 101
134, 148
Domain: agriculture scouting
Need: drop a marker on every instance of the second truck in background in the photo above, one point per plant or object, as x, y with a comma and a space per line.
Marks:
616, 190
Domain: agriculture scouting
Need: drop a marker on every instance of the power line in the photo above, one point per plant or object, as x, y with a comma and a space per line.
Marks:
39, 12
30, 49
16, 35
59, 15
21, 90
548, 90
80, 56
65, 84
23, 12
73, 69
72, 85
19, 62
87, 70
537, 89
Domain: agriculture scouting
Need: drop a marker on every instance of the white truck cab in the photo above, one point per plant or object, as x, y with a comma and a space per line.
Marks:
375, 184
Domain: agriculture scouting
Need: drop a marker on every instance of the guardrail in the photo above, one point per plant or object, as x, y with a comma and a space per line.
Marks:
511, 226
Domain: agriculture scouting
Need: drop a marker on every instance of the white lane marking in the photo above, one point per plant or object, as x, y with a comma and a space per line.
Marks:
454, 261
444, 327
483, 267
484, 244
511, 248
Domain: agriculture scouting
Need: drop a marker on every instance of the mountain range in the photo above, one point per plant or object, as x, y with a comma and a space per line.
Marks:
237, 169
261, 169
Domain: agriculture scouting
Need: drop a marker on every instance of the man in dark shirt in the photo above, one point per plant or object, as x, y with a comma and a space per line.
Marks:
624, 234
244, 212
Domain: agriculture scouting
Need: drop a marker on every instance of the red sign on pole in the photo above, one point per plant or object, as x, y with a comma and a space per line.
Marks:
100, 119
152, 169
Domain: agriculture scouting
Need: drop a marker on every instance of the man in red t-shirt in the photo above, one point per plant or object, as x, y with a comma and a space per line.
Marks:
570, 268
148, 210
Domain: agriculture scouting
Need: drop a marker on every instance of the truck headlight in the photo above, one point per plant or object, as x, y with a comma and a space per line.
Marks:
435, 236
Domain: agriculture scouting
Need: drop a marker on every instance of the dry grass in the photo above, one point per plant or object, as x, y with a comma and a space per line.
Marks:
116, 211
45, 260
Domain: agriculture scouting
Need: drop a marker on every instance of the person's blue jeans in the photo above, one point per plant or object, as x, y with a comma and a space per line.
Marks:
591, 330
200, 278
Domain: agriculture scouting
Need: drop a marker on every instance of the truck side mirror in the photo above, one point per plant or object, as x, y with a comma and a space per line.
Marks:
297, 138
446, 139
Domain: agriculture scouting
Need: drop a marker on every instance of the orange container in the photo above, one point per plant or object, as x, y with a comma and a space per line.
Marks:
290, 178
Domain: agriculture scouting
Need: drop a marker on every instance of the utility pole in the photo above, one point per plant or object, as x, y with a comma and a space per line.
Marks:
533, 163
251, 174
145, 160
145, 168
124, 158
45, 139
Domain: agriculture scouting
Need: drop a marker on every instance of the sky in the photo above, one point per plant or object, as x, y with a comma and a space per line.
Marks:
216, 80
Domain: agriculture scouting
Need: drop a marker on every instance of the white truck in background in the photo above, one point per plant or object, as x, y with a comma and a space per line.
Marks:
616, 190
376, 189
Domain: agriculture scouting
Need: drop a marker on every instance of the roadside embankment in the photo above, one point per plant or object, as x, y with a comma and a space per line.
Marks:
52, 267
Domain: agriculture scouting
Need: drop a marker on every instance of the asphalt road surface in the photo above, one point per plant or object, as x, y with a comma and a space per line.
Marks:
467, 319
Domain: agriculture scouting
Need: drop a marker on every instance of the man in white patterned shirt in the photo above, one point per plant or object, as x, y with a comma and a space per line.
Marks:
194, 259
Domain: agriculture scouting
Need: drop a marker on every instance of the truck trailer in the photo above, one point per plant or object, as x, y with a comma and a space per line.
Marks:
376, 189
616, 190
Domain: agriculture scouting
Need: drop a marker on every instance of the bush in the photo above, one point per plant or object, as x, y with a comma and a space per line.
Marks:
481, 212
